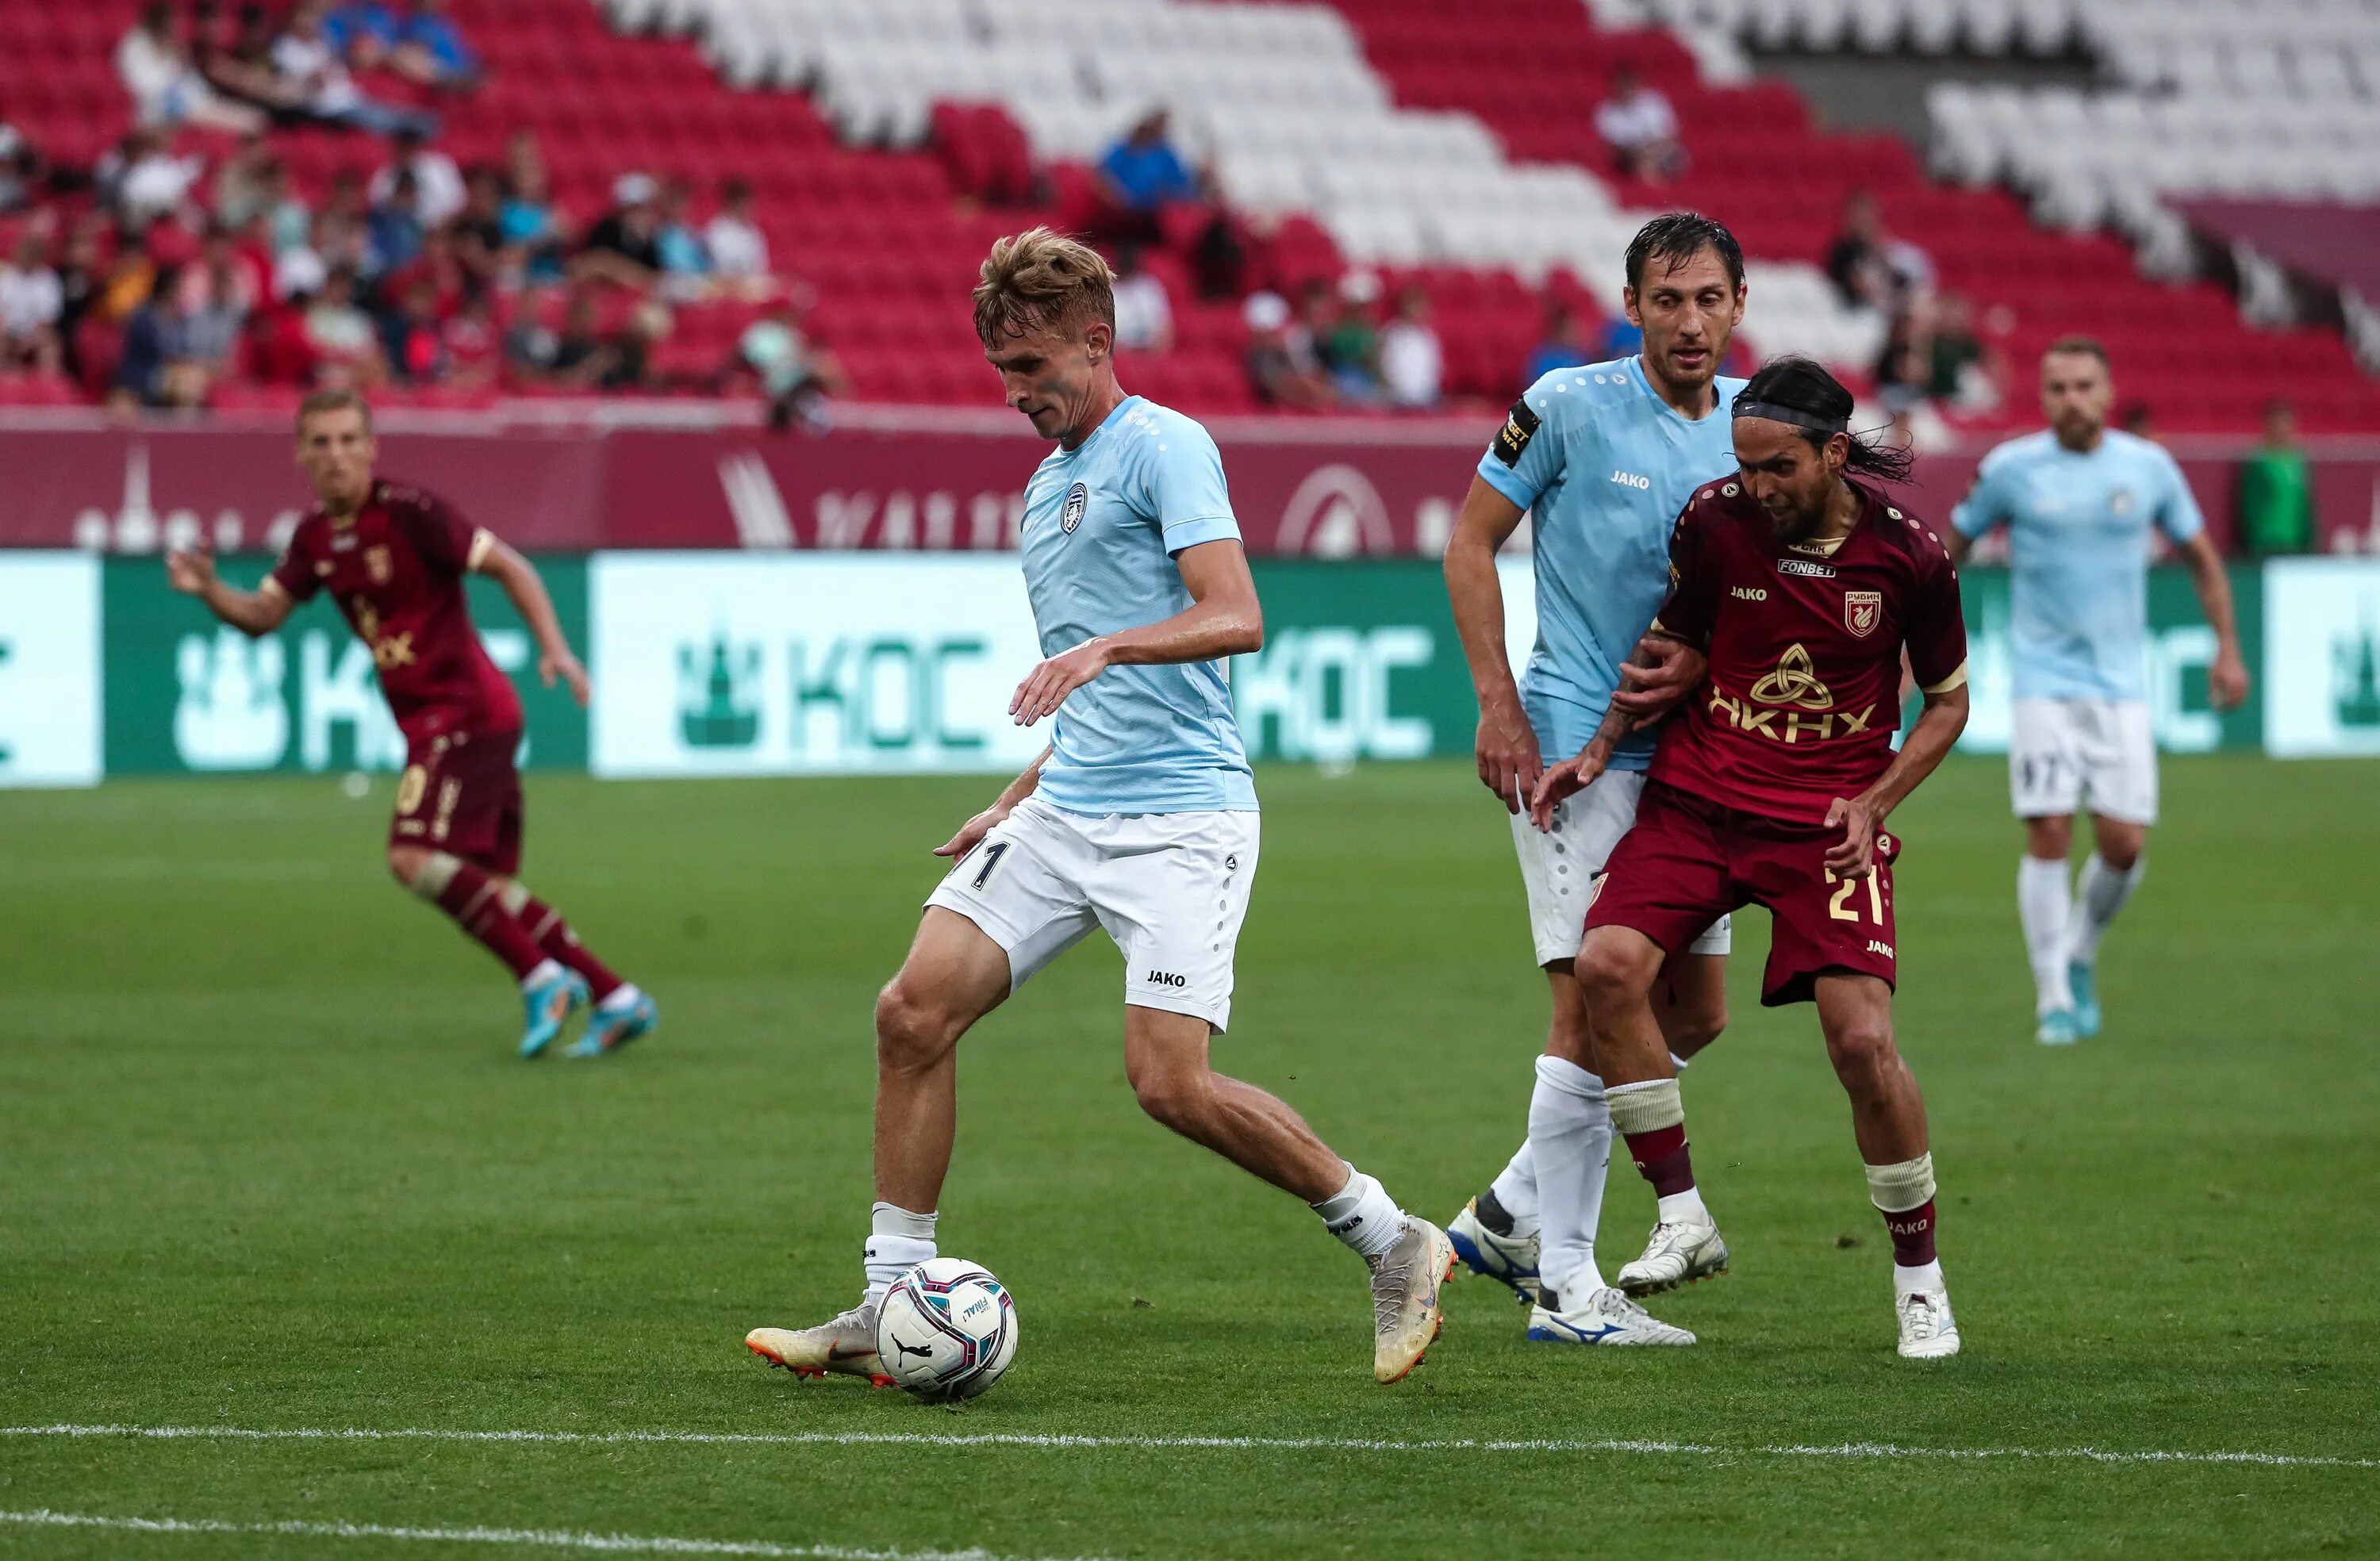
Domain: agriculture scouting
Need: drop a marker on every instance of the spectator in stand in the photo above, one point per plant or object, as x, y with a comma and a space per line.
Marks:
2140, 421
623, 247
1144, 315
646, 326
440, 263
437, 183
1139, 175
166, 88
1564, 347
1413, 365
245, 70
432, 51
1283, 371
412, 336
341, 334
217, 297
1341, 325
130, 277
473, 343
1620, 337
582, 358
1906, 363
241, 184
1870, 267
796, 374
157, 367
2277, 490
1219, 258
305, 59
532, 226
287, 223
739, 250
393, 230
1962, 370
82, 286
1640, 129
24, 174
684, 264
530, 345
141, 180
478, 232
32, 301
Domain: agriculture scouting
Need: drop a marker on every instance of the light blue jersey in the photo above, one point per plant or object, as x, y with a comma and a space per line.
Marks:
1102, 523
2079, 547
1603, 471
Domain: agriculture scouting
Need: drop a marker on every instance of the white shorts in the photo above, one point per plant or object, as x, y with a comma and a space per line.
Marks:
1172, 888
2063, 751
1558, 869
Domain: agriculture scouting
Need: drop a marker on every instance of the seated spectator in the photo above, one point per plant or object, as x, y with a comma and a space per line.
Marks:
1962, 370
2277, 490
1282, 367
1640, 129
478, 232
245, 70
530, 344
305, 58
623, 247
646, 326
241, 182
1219, 258
437, 182
1906, 363
363, 32
141, 180
1144, 316
1340, 324
1139, 175
287, 223
278, 350
82, 286
430, 50
1564, 346
394, 229
797, 375
217, 297
575, 357
684, 264
24, 174
413, 336
157, 367
2140, 421
341, 333
1870, 267
33, 301
531, 228
739, 250
473, 343
166, 88
440, 263
1411, 363
130, 277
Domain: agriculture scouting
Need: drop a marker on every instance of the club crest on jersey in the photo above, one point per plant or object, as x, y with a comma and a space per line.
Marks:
2121, 502
1070, 515
1862, 610
377, 564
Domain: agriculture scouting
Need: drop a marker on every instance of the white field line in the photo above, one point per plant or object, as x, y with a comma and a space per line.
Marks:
547, 1538
1884, 1451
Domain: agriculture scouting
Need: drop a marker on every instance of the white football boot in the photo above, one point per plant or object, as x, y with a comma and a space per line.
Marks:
1677, 1254
846, 1344
1406, 1281
1928, 1332
1509, 1260
1603, 1316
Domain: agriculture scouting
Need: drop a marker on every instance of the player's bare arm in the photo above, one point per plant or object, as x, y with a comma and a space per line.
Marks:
2226, 675
971, 833
1582, 769
1223, 619
521, 582
1938, 725
1663, 670
1509, 762
191, 571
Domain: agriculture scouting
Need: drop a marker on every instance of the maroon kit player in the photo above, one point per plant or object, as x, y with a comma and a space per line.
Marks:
394, 558
1793, 592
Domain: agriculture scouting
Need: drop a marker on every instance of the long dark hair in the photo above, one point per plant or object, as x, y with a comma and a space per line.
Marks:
1803, 384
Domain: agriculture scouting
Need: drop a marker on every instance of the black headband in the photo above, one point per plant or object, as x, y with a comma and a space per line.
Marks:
1792, 415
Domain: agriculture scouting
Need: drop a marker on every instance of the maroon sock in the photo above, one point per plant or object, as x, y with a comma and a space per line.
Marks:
1912, 1235
554, 935
470, 899
1661, 1155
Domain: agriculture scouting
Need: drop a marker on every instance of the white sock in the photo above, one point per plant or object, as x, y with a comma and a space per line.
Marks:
2044, 902
1922, 1276
2103, 892
1516, 1188
622, 996
898, 1239
546, 971
1569, 1123
1683, 1208
1363, 1215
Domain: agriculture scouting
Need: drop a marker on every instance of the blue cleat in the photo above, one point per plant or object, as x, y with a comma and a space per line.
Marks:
2086, 999
609, 1029
2058, 1028
550, 1004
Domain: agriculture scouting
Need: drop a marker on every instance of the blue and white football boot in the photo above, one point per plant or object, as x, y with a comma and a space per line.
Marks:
1603, 1316
2084, 980
550, 1003
1498, 1254
611, 1027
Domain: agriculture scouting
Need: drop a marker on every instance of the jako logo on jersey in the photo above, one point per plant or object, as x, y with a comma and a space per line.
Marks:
1078, 499
1805, 567
1862, 610
1165, 978
1877, 947
1748, 593
1629, 479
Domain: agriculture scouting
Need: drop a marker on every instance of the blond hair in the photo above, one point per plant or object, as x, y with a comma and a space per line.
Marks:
1042, 279
341, 400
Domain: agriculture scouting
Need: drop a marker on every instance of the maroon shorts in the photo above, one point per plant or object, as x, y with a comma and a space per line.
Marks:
1687, 861
460, 794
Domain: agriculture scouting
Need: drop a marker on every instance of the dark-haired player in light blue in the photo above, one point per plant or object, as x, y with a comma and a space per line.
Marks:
2079, 498
1601, 457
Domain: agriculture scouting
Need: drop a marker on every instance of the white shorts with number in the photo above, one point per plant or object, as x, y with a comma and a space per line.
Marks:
1558, 869
2065, 755
1172, 888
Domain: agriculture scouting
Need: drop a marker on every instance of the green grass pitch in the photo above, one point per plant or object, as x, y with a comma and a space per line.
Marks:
267, 1162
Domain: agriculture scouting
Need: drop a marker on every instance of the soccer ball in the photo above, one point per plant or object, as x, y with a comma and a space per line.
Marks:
947, 1330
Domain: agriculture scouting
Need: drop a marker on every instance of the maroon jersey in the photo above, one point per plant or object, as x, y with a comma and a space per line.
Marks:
397, 570
1805, 645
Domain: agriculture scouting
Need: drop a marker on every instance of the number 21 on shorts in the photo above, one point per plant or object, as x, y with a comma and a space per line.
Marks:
1842, 910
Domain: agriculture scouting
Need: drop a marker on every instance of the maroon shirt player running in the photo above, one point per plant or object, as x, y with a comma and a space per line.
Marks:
1793, 593
394, 558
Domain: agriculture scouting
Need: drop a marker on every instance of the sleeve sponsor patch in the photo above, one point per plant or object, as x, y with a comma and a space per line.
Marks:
1520, 426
